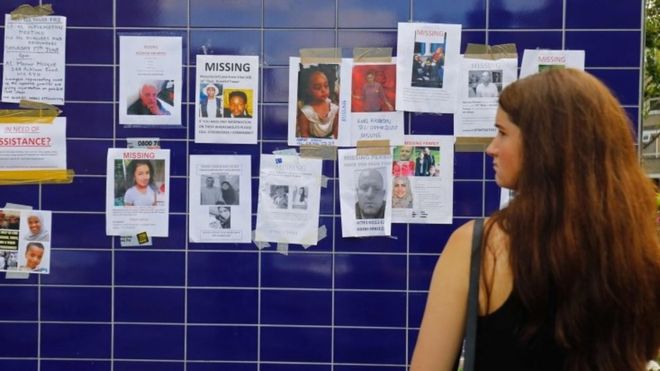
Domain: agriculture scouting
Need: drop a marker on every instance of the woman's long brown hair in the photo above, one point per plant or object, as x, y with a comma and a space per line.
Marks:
583, 246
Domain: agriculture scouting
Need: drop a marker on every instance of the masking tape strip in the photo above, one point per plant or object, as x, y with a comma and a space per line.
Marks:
477, 144
283, 248
322, 152
364, 55
286, 152
324, 181
373, 147
260, 244
16, 177
27, 11
494, 52
321, 55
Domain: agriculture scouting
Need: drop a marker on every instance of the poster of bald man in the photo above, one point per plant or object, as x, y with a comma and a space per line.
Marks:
364, 190
150, 80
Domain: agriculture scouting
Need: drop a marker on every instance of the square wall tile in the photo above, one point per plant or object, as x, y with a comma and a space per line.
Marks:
299, 13
367, 14
469, 13
225, 13
508, 14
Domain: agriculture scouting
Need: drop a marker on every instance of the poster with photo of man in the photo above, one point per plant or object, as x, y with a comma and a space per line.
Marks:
539, 60
220, 198
365, 194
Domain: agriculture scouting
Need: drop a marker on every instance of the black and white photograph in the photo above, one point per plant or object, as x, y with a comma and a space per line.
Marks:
220, 217
300, 196
279, 196
219, 189
484, 84
370, 191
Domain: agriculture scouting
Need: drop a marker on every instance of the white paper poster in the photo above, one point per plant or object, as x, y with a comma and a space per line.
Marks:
33, 146
536, 60
150, 80
220, 198
481, 82
25, 240
318, 98
226, 108
289, 199
422, 180
34, 59
365, 193
137, 192
428, 62
372, 105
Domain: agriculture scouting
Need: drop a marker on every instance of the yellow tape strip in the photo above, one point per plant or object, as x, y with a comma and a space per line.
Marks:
28, 11
36, 113
16, 177
315, 56
383, 55
373, 147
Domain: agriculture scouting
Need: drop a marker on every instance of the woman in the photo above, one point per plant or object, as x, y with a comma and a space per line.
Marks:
224, 217
571, 268
143, 191
37, 230
401, 196
228, 193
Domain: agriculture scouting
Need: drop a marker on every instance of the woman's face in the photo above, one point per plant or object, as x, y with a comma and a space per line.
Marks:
225, 213
34, 223
506, 151
318, 87
225, 186
400, 188
142, 175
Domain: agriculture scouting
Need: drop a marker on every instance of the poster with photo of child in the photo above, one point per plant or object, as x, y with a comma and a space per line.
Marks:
25, 237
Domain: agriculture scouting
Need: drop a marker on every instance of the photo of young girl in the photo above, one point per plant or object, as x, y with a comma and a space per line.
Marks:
318, 101
143, 181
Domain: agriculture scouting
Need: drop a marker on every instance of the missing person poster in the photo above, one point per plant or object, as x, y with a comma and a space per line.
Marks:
372, 104
25, 146
220, 198
226, 108
537, 60
25, 240
150, 80
318, 99
137, 192
422, 180
289, 199
481, 82
365, 194
428, 62
33, 63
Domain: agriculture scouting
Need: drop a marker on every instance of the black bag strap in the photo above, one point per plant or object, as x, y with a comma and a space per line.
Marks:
473, 296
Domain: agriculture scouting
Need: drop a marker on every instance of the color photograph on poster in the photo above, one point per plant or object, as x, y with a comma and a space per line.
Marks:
137, 192
427, 66
25, 240
365, 194
481, 82
316, 93
226, 99
372, 104
538, 60
26, 146
150, 80
289, 200
422, 180
220, 198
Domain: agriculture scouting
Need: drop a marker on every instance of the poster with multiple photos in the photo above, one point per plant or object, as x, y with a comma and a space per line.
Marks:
226, 93
428, 62
220, 198
422, 180
481, 82
150, 80
318, 95
289, 199
372, 106
25, 240
137, 192
365, 194
539, 60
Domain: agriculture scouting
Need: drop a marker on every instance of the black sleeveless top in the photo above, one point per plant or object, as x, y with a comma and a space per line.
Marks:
498, 346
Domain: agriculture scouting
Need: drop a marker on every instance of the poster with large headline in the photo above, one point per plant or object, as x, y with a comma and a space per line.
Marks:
289, 199
481, 82
226, 93
318, 97
428, 62
220, 198
365, 194
538, 60
422, 180
150, 80
137, 192
372, 105
25, 146
33, 63
25, 240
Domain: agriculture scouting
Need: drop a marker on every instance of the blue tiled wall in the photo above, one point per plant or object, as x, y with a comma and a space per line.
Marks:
344, 305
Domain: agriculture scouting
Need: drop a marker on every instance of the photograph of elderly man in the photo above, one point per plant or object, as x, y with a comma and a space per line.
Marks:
148, 102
